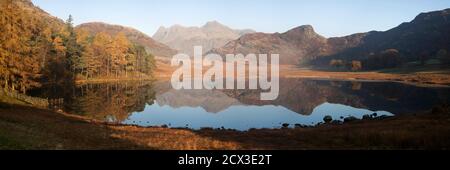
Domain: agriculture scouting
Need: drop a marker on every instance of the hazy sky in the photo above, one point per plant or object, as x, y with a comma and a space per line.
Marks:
328, 17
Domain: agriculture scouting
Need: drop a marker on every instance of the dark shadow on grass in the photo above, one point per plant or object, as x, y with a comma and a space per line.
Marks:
417, 69
425, 131
25, 127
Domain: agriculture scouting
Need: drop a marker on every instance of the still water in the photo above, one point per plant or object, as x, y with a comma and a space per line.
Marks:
301, 102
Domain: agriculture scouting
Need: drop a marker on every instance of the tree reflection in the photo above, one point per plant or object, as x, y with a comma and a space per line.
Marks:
112, 102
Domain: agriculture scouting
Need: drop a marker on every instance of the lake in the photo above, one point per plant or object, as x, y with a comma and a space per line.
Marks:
300, 102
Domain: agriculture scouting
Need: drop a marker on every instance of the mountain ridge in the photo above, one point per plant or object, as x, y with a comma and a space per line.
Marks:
420, 39
211, 35
132, 34
292, 45
427, 33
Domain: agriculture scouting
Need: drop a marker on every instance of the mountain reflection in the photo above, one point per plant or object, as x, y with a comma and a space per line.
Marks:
115, 102
302, 96
212, 101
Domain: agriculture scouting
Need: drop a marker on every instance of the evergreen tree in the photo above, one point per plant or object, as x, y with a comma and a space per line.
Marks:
73, 49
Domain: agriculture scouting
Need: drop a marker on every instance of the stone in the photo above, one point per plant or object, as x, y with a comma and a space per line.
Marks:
367, 117
350, 119
327, 119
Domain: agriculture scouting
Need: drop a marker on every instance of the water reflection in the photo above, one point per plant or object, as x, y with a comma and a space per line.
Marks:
240, 117
300, 102
112, 102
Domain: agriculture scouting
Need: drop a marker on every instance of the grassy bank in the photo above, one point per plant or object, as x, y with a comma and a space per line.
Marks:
24, 127
422, 76
135, 76
415, 76
110, 80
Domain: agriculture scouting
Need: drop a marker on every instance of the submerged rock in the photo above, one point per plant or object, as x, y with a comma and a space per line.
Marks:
327, 119
350, 119
374, 115
367, 117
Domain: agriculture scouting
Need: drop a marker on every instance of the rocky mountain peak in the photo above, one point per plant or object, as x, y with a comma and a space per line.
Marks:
304, 31
212, 24
432, 15
211, 35
303, 28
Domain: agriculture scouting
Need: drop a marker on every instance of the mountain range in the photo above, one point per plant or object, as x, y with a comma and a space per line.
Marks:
424, 36
212, 35
299, 43
427, 33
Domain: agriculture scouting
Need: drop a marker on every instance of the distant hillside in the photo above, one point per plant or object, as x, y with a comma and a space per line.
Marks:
27, 7
211, 35
426, 37
301, 43
133, 35
421, 39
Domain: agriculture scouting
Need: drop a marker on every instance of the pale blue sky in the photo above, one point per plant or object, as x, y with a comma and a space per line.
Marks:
328, 17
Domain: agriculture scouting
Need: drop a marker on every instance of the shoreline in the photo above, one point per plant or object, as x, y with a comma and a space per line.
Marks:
372, 80
419, 84
25, 127
112, 80
423, 78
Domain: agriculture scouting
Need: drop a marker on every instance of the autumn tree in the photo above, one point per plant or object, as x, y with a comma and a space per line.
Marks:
119, 53
92, 62
36, 49
337, 63
22, 44
131, 63
389, 58
356, 65
101, 44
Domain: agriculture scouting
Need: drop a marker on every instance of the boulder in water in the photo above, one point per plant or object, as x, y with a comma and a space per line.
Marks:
350, 119
327, 119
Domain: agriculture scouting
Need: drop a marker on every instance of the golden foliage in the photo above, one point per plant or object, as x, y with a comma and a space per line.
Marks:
36, 47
